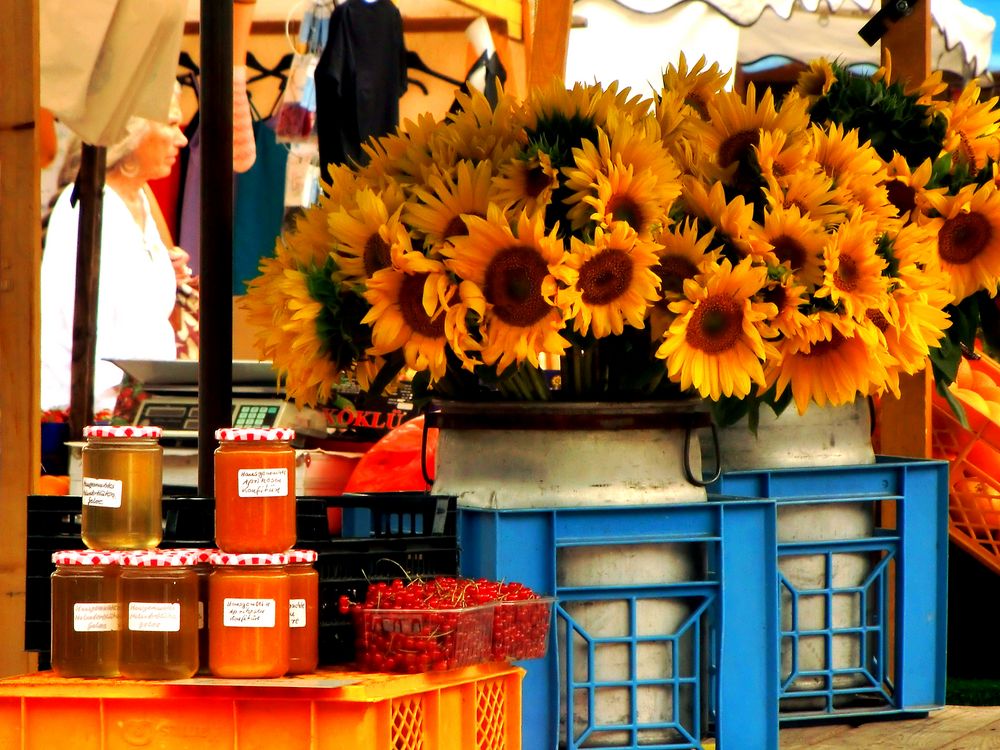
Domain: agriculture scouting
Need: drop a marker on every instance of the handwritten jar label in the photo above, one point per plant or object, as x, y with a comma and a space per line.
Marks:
95, 617
248, 613
102, 493
154, 617
296, 613
262, 482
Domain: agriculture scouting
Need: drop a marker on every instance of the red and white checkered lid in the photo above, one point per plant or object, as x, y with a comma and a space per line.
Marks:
302, 555
122, 431
201, 554
86, 557
251, 434
157, 558
250, 558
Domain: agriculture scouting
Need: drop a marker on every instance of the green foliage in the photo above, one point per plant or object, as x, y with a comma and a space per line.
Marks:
338, 325
883, 114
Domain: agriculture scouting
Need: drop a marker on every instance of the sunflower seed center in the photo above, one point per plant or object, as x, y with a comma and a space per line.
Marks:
963, 238
715, 325
536, 181
790, 251
606, 277
514, 286
846, 278
822, 348
876, 317
624, 208
377, 254
411, 294
737, 146
901, 195
672, 271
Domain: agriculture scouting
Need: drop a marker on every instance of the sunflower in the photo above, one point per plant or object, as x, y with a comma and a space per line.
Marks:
808, 190
815, 81
408, 311
405, 156
280, 304
929, 91
615, 282
912, 253
714, 345
968, 231
735, 124
732, 220
912, 328
694, 87
436, 213
526, 184
628, 173
830, 363
777, 156
856, 169
789, 298
364, 236
682, 254
479, 131
971, 132
510, 280
853, 269
554, 110
796, 242
906, 188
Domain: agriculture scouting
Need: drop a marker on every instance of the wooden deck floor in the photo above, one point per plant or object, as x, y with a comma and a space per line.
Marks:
951, 728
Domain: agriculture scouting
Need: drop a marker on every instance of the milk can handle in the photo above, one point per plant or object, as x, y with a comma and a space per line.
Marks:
699, 481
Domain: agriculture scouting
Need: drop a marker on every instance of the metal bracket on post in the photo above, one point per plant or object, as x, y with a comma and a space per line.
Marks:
876, 28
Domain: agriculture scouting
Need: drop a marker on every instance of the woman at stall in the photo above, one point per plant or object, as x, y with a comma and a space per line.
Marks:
139, 272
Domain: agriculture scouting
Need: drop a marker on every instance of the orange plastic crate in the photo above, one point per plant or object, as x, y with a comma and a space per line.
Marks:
476, 708
974, 477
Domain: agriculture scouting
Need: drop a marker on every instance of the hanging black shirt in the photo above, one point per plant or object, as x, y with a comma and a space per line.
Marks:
359, 78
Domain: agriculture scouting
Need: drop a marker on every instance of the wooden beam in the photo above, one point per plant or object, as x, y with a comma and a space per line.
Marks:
548, 60
20, 256
905, 423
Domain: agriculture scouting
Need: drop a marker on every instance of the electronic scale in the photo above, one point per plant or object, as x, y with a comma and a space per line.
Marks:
171, 388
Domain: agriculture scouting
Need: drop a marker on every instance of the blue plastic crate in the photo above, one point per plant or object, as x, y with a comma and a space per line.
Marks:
883, 651
729, 598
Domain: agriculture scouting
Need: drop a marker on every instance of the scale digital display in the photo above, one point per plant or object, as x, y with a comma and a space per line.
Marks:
178, 415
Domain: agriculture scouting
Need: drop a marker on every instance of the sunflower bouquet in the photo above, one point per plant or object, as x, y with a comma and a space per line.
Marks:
592, 244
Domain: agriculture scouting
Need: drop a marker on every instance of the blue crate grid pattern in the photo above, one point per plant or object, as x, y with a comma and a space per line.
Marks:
887, 656
659, 679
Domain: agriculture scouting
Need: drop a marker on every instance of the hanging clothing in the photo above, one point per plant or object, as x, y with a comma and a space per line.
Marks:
190, 205
259, 205
136, 294
359, 79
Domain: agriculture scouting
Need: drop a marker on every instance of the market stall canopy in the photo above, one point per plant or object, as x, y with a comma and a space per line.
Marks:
631, 41
961, 41
103, 61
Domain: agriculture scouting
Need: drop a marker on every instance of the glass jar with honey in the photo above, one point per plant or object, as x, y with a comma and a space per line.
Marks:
303, 611
159, 629
122, 487
85, 613
248, 615
202, 569
254, 490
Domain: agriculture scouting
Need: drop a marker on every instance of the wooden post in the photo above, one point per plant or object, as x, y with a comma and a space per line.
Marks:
905, 423
20, 256
548, 60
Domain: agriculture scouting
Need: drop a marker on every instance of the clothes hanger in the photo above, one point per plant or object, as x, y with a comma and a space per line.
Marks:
278, 71
413, 62
419, 84
185, 61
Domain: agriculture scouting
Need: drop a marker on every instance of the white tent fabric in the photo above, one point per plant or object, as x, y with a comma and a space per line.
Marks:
631, 41
103, 61
961, 42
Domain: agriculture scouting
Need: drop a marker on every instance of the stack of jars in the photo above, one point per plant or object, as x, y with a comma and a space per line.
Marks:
263, 595
125, 608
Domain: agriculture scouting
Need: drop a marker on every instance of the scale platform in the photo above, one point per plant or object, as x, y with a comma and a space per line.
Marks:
172, 396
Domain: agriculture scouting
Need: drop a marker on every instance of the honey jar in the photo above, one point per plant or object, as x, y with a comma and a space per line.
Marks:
122, 487
159, 609
303, 611
248, 615
254, 490
85, 613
